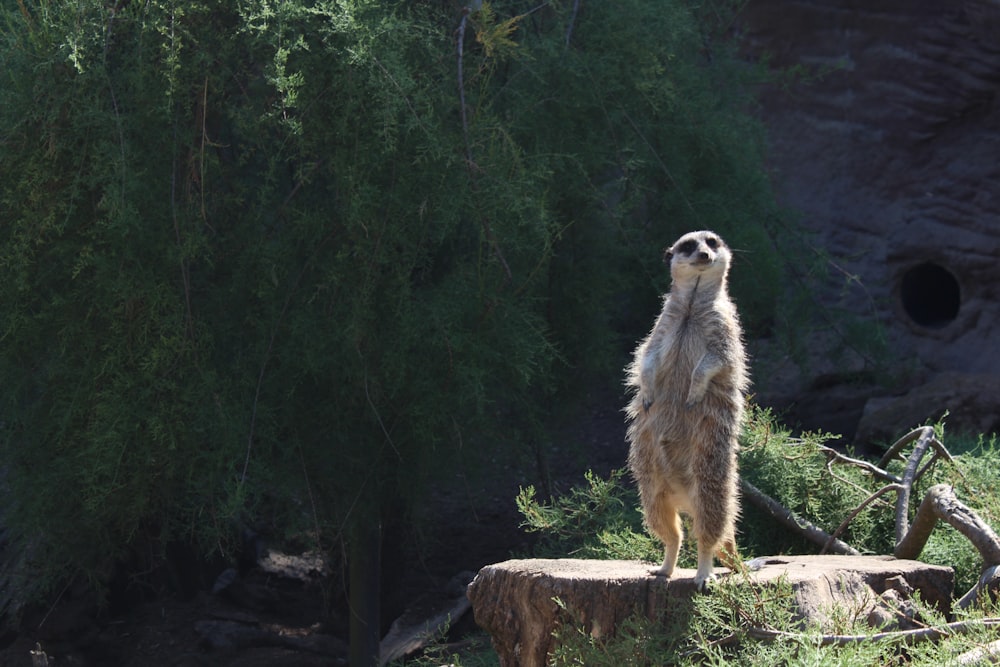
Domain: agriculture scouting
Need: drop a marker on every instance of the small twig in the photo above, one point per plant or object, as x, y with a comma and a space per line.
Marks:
857, 510
378, 417
406, 98
663, 165
470, 164
927, 466
844, 480
897, 446
834, 456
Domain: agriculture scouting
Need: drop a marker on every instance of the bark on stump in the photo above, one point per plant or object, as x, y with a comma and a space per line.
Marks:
514, 600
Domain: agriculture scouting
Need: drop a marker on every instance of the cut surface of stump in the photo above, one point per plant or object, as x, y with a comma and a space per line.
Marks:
515, 601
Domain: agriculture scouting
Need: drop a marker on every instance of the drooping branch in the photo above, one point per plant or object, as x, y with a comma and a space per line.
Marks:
796, 523
834, 456
915, 434
572, 22
469, 161
461, 83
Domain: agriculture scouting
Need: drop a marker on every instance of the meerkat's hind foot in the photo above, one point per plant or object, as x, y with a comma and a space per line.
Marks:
704, 584
665, 570
706, 570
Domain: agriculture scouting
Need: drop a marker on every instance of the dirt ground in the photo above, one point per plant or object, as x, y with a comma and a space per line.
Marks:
263, 619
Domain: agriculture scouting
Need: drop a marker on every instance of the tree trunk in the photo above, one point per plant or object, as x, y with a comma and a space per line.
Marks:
522, 602
365, 579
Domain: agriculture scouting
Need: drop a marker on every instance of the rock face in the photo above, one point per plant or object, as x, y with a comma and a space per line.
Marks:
515, 600
971, 400
891, 155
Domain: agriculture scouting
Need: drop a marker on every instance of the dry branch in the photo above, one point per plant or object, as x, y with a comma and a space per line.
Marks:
981, 655
906, 636
857, 510
836, 457
915, 434
909, 479
940, 502
989, 581
796, 523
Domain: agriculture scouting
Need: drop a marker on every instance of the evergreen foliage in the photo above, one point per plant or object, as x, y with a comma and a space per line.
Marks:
271, 258
600, 518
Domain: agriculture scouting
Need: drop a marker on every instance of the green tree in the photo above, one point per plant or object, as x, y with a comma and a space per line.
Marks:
287, 257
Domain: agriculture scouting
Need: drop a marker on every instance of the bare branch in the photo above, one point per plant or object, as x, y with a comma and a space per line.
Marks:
916, 433
980, 655
909, 477
906, 636
893, 451
834, 456
796, 523
857, 510
989, 581
941, 503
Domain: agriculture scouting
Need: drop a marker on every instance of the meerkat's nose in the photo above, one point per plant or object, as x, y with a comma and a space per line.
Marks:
702, 255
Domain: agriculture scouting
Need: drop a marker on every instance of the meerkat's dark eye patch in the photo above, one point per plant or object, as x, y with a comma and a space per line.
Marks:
687, 247
712, 242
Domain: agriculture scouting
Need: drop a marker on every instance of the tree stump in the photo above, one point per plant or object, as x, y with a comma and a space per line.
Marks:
515, 600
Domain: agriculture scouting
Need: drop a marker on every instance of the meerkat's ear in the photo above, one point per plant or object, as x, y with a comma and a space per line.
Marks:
668, 254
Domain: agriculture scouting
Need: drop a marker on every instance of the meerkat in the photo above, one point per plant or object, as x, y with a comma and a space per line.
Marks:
688, 379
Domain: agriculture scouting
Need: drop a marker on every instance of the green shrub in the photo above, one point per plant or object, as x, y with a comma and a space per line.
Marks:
598, 520
716, 628
602, 519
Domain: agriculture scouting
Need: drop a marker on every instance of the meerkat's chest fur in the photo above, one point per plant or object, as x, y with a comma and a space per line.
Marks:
692, 361
690, 322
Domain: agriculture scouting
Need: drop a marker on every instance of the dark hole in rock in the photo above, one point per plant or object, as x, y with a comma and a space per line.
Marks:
931, 295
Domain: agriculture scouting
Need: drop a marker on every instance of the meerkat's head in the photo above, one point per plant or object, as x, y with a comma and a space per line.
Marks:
701, 255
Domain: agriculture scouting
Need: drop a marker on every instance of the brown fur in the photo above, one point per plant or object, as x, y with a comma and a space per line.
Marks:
689, 377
